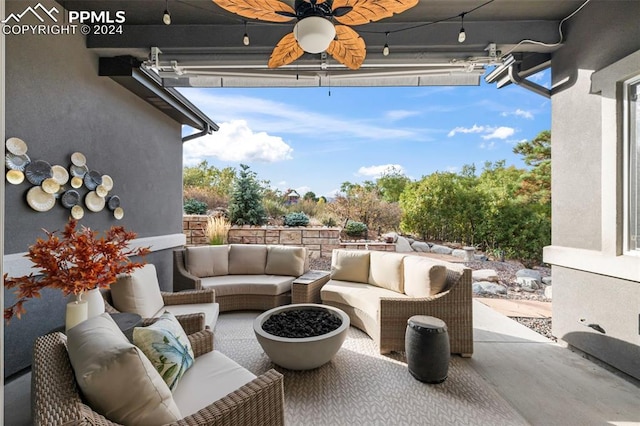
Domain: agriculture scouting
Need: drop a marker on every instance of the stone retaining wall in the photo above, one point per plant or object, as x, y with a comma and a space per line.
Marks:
319, 241
359, 245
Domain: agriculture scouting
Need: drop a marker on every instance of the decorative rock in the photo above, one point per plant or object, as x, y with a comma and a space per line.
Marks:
402, 245
392, 236
485, 287
440, 249
529, 273
546, 280
528, 283
480, 257
411, 240
485, 275
459, 253
547, 292
469, 254
421, 247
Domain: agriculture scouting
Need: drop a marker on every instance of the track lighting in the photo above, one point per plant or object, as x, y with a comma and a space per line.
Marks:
166, 18
385, 49
462, 36
245, 37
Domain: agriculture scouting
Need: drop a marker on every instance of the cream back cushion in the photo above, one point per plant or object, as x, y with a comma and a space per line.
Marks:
247, 259
285, 260
207, 261
138, 292
423, 277
350, 265
386, 270
116, 378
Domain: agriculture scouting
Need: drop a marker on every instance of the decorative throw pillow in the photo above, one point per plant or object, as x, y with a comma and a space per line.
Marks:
116, 378
285, 260
167, 346
247, 259
386, 270
138, 292
423, 277
207, 261
350, 265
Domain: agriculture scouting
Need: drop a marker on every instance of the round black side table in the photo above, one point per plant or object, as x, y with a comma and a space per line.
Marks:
127, 322
427, 348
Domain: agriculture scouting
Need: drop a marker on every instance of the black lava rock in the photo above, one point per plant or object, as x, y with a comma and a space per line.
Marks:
299, 323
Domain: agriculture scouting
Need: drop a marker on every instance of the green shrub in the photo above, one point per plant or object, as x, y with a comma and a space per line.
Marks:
355, 229
296, 219
192, 206
245, 206
329, 221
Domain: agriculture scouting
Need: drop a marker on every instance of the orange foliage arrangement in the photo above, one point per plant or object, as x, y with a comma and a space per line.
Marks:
75, 263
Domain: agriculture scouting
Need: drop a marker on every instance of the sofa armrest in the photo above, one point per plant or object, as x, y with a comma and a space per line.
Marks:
191, 323
182, 279
201, 341
189, 297
258, 403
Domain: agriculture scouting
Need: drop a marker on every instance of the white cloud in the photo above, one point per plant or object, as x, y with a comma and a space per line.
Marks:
453, 169
501, 132
236, 142
473, 129
519, 113
377, 171
303, 189
488, 145
399, 114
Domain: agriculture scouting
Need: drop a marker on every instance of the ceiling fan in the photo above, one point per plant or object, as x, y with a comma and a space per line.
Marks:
315, 32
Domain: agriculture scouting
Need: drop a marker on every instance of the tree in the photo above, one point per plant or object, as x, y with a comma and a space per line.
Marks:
245, 206
536, 184
208, 185
391, 184
310, 195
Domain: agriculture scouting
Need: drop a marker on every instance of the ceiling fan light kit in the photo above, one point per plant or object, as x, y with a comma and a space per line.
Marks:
314, 34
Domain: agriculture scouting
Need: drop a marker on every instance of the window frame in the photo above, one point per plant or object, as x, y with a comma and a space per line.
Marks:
631, 138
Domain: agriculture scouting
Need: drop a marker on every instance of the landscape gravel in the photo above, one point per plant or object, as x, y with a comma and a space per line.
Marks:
507, 276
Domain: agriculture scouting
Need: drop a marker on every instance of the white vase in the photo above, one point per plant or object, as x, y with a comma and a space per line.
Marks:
95, 302
76, 313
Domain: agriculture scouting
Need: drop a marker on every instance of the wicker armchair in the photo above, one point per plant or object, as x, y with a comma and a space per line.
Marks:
56, 398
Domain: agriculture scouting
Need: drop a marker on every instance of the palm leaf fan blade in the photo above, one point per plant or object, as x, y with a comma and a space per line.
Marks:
286, 51
365, 11
263, 10
348, 47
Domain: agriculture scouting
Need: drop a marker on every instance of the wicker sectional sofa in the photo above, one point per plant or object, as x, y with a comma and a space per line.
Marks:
244, 276
380, 291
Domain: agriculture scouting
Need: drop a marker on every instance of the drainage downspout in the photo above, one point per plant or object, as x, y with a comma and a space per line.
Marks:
206, 131
535, 88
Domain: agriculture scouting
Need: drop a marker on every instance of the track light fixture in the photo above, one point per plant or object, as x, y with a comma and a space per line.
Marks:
462, 36
166, 18
385, 49
245, 37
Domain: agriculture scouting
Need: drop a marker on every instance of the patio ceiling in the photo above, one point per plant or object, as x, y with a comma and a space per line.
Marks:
203, 45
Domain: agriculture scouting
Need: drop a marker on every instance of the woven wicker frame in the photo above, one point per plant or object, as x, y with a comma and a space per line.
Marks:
55, 398
454, 306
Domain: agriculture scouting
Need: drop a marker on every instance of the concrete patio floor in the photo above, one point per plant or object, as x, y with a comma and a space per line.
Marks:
545, 382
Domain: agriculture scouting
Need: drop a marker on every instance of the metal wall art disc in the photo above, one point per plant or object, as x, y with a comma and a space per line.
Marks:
118, 213
92, 180
70, 198
15, 177
76, 182
107, 182
37, 171
78, 171
94, 202
101, 191
39, 200
60, 174
78, 159
113, 202
77, 212
16, 146
50, 186
16, 162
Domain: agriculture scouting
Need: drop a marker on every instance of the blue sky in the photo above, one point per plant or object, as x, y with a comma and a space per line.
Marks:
314, 139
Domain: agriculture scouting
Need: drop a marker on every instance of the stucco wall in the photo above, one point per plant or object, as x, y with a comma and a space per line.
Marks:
58, 104
592, 278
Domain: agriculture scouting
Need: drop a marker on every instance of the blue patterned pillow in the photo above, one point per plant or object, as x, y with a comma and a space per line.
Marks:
166, 345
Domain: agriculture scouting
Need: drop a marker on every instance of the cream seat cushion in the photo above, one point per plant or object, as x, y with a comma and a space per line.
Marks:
207, 261
385, 270
350, 265
365, 297
138, 292
247, 259
285, 260
115, 377
210, 310
211, 377
423, 277
270, 285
